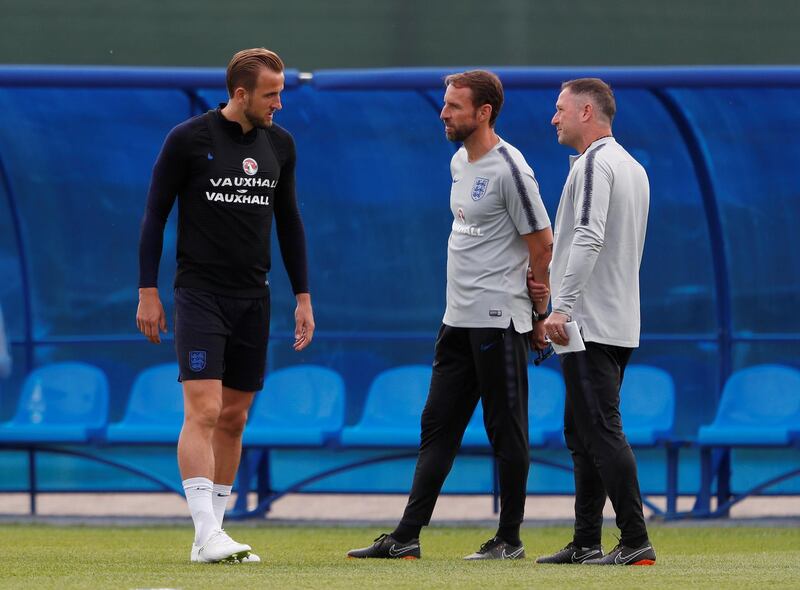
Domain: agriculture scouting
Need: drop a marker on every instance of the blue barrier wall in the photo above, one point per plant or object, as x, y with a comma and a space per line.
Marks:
720, 277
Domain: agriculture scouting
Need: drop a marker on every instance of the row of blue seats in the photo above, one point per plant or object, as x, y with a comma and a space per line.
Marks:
304, 406
300, 406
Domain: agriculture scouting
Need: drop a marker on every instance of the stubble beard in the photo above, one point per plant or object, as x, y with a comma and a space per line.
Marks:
460, 134
257, 122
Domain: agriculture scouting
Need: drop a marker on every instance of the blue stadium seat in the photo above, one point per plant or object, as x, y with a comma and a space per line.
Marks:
155, 409
298, 406
397, 397
60, 403
392, 411
760, 406
647, 405
545, 407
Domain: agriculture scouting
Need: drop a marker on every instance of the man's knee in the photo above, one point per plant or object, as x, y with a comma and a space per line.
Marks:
514, 455
205, 417
202, 403
573, 440
232, 421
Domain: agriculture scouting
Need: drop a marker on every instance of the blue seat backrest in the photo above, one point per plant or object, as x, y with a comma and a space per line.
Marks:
64, 394
761, 396
156, 397
397, 396
647, 399
301, 396
546, 398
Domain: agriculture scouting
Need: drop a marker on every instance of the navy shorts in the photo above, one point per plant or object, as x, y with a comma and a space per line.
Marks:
219, 337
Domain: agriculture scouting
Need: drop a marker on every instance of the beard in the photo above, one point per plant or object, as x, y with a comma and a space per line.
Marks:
256, 121
459, 134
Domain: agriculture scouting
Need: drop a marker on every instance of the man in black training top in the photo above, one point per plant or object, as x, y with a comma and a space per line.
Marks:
232, 169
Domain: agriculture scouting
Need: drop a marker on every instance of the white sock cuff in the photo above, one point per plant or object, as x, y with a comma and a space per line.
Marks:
222, 490
201, 484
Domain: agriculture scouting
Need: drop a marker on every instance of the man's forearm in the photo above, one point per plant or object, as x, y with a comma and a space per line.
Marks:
151, 242
581, 263
540, 252
540, 267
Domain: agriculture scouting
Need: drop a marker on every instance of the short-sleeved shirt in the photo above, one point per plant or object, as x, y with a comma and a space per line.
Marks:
494, 200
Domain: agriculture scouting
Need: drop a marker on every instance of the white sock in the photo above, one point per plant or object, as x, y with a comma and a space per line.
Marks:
220, 501
198, 496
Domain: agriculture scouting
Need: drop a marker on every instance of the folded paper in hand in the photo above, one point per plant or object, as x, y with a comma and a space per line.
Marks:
575, 343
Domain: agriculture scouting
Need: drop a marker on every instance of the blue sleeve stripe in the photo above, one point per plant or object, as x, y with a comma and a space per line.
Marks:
522, 192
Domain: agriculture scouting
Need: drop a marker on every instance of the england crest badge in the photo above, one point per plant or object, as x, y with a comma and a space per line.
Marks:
479, 188
197, 360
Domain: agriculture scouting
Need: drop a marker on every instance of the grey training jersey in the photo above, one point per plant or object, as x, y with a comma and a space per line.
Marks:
598, 243
494, 201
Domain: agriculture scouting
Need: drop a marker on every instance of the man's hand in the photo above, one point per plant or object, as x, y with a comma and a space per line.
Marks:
150, 317
538, 292
537, 336
303, 322
554, 328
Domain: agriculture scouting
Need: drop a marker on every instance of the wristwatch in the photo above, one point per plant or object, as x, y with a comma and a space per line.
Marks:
538, 317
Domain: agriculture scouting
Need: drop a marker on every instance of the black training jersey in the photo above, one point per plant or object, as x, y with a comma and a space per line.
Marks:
229, 185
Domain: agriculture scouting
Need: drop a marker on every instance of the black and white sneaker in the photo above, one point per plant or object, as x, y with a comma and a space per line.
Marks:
622, 555
572, 554
496, 548
387, 547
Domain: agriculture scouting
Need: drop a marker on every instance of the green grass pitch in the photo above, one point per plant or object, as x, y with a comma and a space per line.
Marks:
61, 558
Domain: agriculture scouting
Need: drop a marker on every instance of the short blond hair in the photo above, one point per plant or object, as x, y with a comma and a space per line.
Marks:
245, 66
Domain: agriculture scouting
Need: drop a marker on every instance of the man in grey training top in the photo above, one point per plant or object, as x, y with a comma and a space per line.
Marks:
500, 227
599, 239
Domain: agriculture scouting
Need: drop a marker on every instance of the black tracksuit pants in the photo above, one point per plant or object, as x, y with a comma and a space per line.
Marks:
603, 460
471, 364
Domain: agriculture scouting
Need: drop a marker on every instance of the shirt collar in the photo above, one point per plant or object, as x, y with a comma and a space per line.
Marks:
600, 141
597, 142
234, 129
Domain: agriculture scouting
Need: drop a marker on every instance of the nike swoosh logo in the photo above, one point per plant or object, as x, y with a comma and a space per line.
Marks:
514, 554
455, 180
485, 347
395, 552
581, 557
625, 559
